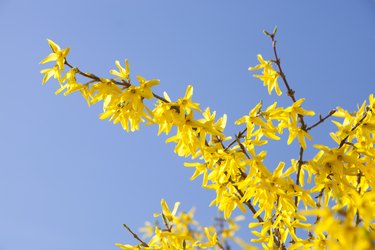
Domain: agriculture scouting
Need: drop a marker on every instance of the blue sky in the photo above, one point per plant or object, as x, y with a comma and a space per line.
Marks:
68, 180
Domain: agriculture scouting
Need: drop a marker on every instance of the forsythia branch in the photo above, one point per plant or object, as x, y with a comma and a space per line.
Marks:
341, 178
144, 244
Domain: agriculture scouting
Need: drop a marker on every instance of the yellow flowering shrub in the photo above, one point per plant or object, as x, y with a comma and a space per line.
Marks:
323, 202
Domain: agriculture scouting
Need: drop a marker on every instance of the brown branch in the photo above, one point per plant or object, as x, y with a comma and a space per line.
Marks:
167, 226
241, 146
144, 244
358, 218
160, 98
240, 134
88, 75
97, 79
219, 245
343, 141
248, 204
291, 93
300, 163
321, 119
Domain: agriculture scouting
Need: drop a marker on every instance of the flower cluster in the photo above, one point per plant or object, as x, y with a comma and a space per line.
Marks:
181, 231
339, 194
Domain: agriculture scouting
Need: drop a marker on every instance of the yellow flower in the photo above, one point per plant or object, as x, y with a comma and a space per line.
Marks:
187, 140
72, 85
164, 115
269, 76
300, 134
48, 73
145, 87
167, 212
255, 118
123, 73
103, 89
58, 55
186, 104
212, 238
295, 110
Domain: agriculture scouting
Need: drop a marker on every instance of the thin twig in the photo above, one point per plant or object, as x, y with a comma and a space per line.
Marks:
300, 163
343, 141
358, 218
321, 119
98, 79
241, 145
240, 134
91, 76
291, 93
249, 205
144, 244
219, 245
167, 226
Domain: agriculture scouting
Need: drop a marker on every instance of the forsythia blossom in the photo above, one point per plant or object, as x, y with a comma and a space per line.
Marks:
334, 187
269, 76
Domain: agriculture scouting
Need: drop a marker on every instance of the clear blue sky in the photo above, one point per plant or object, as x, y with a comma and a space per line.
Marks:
68, 180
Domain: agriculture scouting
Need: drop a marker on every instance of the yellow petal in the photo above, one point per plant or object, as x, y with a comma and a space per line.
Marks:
53, 46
